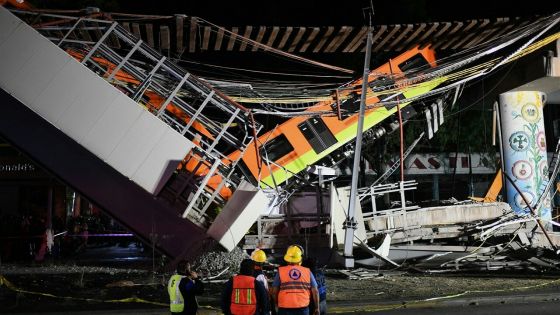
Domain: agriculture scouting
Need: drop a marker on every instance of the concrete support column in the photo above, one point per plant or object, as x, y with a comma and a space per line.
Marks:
524, 149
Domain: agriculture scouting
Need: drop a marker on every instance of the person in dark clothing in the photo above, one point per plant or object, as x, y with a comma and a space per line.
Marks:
243, 294
183, 288
311, 263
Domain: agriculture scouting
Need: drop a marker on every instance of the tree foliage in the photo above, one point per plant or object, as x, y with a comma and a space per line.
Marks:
466, 131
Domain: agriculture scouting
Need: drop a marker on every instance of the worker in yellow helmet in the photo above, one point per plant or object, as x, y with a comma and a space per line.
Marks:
259, 258
294, 286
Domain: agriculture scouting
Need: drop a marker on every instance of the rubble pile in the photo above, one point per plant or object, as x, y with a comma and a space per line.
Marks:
213, 263
49, 269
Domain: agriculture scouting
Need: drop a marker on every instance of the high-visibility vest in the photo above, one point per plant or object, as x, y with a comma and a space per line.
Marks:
243, 296
295, 286
176, 300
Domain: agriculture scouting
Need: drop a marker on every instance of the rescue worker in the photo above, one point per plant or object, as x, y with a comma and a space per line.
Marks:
311, 263
183, 288
243, 294
295, 286
259, 258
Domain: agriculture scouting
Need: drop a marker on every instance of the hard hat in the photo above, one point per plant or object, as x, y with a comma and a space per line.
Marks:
294, 254
258, 255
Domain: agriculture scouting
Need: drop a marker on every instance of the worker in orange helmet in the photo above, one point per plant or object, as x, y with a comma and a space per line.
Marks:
294, 286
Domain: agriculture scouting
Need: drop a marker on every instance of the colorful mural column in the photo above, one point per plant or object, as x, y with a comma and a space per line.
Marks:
524, 142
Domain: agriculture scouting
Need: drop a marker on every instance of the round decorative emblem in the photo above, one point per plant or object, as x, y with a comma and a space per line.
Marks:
519, 141
530, 113
294, 274
541, 141
519, 202
522, 169
543, 168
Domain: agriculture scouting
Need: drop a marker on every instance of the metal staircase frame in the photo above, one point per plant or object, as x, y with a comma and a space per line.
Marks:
193, 97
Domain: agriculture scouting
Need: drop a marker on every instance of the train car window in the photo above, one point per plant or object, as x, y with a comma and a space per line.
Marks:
382, 80
317, 134
416, 61
348, 107
399, 97
276, 148
246, 172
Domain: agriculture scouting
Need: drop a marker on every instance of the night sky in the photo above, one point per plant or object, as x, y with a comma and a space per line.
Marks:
313, 12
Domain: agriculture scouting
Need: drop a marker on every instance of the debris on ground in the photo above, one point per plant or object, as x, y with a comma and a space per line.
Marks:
211, 263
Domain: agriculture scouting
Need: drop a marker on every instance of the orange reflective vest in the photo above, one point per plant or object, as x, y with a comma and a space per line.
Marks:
295, 286
243, 295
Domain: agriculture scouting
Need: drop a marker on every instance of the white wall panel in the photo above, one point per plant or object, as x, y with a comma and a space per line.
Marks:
8, 23
136, 145
238, 215
15, 52
86, 109
162, 161
34, 77
59, 94
115, 122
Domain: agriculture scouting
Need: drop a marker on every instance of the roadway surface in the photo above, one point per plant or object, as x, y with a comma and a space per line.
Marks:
541, 301
540, 304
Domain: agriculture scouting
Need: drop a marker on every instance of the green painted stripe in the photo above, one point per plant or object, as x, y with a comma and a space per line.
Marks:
372, 118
